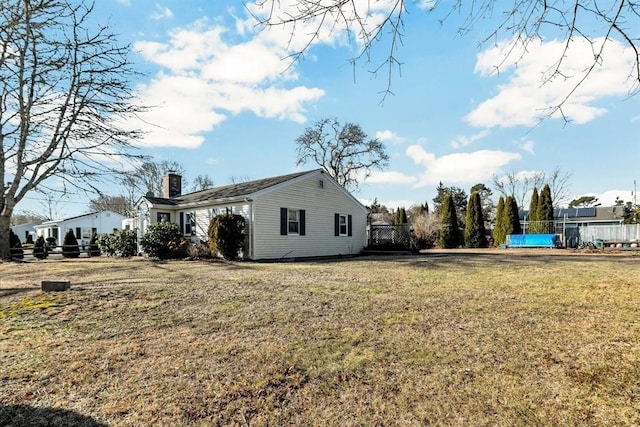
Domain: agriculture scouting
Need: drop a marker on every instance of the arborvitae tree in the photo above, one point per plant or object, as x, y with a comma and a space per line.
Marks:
474, 232
40, 248
226, 235
534, 227
450, 233
94, 248
510, 217
402, 216
15, 245
70, 248
499, 232
459, 201
545, 208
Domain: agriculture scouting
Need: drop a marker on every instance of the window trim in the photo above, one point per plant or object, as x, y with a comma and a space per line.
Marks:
337, 226
284, 222
291, 222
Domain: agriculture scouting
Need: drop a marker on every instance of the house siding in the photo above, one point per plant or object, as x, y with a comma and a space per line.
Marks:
320, 206
103, 222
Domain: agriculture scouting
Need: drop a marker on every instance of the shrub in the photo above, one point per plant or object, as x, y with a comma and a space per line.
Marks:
200, 250
164, 240
94, 248
226, 235
426, 228
29, 240
15, 245
70, 248
121, 243
40, 249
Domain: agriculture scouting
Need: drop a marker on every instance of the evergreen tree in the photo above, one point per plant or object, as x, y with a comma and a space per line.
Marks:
402, 217
474, 232
40, 248
459, 202
545, 209
15, 245
70, 248
534, 226
499, 232
510, 217
450, 233
94, 248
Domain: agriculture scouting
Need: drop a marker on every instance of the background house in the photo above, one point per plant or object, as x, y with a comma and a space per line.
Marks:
580, 225
83, 226
303, 214
23, 231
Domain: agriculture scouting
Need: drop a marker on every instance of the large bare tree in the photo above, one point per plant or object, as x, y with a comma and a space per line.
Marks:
381, 23
519, 185
64, 101
344, 151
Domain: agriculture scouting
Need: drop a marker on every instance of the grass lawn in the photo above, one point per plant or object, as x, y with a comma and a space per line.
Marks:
445, 338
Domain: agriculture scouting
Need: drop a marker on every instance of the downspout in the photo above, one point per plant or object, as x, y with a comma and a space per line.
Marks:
252, 224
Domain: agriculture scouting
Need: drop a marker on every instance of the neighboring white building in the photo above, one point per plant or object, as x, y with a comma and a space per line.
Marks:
304, 214
83, 226
23, 231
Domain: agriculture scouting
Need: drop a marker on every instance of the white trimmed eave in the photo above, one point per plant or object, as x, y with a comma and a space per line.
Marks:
213, 202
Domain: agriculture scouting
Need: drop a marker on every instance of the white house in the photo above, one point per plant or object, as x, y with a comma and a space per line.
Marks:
303, 214
23, 231
82, 225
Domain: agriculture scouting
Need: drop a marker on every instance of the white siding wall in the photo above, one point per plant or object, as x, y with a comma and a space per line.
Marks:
320, 205
104, 222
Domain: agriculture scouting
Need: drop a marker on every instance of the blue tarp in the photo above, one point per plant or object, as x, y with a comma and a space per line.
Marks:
532, 241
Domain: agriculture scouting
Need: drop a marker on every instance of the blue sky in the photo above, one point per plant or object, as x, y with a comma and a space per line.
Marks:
229, 105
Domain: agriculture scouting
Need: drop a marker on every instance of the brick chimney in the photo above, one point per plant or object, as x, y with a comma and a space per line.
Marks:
171, 185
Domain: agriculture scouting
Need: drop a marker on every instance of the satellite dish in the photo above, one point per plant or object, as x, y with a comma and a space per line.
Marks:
149, 194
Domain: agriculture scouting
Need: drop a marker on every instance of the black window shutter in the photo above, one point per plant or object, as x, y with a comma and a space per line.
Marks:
336, 224
349, 230
303, 228
283, 222
181, 222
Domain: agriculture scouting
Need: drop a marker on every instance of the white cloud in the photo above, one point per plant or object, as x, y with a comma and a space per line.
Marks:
390, 177
471, 167
608, 198
390, 204
463, 141
161, 12
389, 136
532, 89
212, 161
635, 119
203, 79
528, 146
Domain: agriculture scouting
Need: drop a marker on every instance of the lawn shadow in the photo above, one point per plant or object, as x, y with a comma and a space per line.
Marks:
13, 291
23, 415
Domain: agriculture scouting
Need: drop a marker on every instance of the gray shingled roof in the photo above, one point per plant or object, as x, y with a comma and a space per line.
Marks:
242, 189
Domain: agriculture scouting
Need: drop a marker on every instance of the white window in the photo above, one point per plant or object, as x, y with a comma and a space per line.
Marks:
293, 219
343, 225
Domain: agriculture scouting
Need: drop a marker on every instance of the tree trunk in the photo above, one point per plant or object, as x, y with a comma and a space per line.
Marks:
5, 249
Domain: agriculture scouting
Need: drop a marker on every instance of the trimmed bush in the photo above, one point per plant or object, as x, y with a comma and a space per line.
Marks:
94, 248
164, 240
122, 243
70, 248
226, 235
40, 249
15, 245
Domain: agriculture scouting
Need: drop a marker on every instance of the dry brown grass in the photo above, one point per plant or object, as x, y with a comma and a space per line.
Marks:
483, 338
